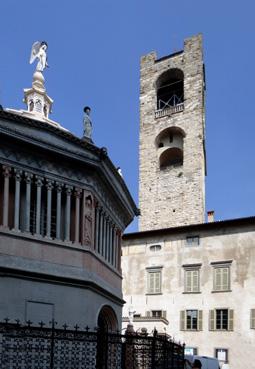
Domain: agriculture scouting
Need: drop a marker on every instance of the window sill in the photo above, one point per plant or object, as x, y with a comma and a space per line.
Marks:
192, 293
220, 291
154, 294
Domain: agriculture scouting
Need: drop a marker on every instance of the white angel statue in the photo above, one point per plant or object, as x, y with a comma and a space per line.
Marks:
39, 51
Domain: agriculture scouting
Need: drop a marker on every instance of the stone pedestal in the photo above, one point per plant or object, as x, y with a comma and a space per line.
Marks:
36, 98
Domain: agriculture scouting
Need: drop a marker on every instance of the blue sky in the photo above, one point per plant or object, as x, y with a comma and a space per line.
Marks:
94, 52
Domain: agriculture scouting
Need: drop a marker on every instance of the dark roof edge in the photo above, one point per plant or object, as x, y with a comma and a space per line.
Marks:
100, 152
193, 227
169, 56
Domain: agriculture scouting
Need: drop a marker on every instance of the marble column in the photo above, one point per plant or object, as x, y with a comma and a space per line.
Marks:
18, 174
28, 179
104, 235
110, 245
77, 194
39, 183
59, 187
97, 227
68, 213
49, 186
101, 231
7, 174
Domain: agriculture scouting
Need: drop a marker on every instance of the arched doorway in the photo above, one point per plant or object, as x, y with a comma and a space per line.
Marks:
107, 322
107, 319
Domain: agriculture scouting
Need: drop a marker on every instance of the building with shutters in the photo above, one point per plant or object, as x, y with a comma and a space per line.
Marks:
63, 209
189, 278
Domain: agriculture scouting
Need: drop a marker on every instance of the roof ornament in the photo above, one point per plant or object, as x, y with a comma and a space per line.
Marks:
87, 124
38, 103
38, 51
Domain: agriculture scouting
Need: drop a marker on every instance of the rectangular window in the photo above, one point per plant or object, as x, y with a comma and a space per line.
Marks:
156, 313
153, 281
191, 351
222, 355
221, 319
252, 318
221, 277
191, 320
191, 283
192, 241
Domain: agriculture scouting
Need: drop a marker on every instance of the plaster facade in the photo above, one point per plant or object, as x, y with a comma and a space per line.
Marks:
230, 243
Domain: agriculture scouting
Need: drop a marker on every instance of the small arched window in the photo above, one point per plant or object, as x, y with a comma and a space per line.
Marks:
155, 248
170, 89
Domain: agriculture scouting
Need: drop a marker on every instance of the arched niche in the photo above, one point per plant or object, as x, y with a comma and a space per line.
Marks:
170, 89
169, 144
170, 137
171, 156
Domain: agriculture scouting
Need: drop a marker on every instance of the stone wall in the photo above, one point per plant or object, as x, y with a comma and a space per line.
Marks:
173, 195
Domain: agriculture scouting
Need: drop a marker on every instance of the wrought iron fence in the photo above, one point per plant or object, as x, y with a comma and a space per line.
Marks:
40, 347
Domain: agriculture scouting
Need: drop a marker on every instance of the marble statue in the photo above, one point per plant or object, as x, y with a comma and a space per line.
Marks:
131, 313
38, 51
87, 124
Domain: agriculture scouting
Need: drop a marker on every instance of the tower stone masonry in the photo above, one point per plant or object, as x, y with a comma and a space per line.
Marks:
172, 139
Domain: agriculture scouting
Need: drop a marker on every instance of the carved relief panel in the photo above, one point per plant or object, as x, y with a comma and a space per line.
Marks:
88, 219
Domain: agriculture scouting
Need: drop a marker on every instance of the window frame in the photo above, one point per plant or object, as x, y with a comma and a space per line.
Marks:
218, 268
190, 270
150, 271
213, 320
184, 320
222, 349
195, 241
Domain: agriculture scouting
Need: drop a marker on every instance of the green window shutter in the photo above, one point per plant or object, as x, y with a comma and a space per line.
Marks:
225, 278
200, 320
188, 281
195, 281
164, 314
231, 320
211, 320
252, 318
150, 282
148, 314
182, 320
217, 279
157, 282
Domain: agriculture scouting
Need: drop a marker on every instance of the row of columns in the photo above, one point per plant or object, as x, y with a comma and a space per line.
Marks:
107, 240
107, 235
39, 183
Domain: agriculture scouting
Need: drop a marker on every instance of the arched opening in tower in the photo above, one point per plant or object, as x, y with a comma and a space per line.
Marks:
170, 89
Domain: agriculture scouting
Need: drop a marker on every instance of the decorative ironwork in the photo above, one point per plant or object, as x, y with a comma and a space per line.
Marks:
39, 347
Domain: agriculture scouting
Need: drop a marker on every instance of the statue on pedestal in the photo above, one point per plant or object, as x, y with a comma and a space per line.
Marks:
38, 51
87, 124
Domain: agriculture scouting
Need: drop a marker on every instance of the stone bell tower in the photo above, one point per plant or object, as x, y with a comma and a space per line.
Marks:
172, 138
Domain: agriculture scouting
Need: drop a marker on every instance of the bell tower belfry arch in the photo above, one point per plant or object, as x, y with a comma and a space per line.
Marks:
172, 151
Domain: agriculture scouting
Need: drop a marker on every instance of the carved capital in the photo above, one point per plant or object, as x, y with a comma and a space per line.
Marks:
69, 190
28, 177
78, 192
6, 171
18, 174
59, 186
49, 184
39, 181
